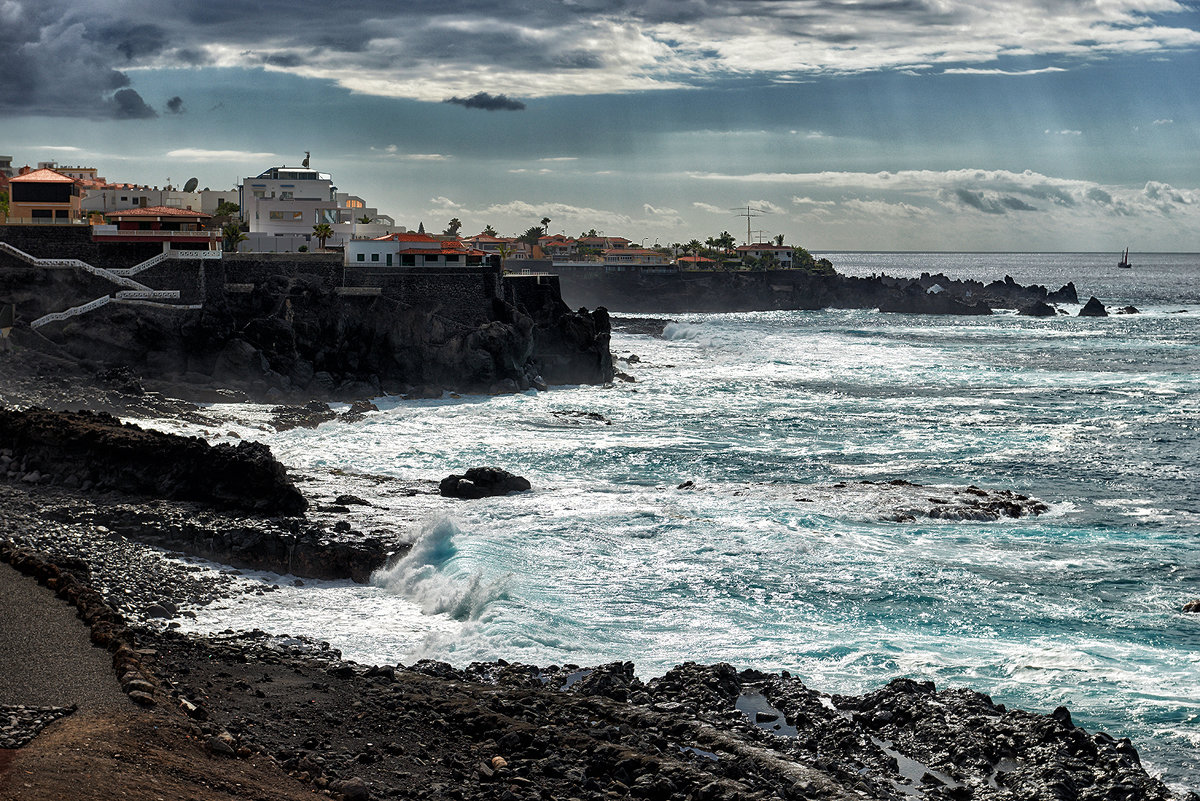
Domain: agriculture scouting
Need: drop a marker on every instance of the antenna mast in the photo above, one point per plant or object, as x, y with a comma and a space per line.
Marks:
749, 214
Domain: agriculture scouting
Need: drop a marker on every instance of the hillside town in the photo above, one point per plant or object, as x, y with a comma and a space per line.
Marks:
300, 210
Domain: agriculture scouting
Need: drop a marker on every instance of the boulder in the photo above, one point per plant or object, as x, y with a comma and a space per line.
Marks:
1192, 607
482, 482
1128, 310
1093, 308
1037, 309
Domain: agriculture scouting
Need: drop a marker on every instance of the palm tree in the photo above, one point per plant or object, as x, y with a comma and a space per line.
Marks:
231, 234
366, 218
489, 231
546, 225
322, 231
504, 250
452, 228
779, 240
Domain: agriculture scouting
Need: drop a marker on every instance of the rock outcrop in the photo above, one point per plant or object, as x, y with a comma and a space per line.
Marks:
1093, 308
95, 451
482, 482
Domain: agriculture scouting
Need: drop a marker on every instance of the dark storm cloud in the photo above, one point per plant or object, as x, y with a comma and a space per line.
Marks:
483, 100
990, 204
128, 105
175, 105
59, 57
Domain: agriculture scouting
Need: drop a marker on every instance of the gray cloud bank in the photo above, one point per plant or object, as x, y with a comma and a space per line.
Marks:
68, 58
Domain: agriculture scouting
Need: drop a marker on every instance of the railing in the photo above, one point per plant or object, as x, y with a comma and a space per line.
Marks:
151, 294
73, 263
42, 221
71, 312
106, 230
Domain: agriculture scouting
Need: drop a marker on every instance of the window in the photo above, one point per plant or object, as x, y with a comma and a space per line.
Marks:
125, 199
361, 257
389, 260
374, 257
39, 213
408, 260
285, 195
294, 216
60, 214
451, 258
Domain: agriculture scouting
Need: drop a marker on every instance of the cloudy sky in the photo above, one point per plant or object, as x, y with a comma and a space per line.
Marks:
849, 124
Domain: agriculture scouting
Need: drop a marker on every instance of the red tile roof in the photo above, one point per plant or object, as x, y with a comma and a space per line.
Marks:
44, 177
410, 236
156, 211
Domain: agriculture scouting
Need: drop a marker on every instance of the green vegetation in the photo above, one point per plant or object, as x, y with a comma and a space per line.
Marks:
4, 205
531, 235
322, 231
366, 218
452, 228
489, 231
226, 209
231, 234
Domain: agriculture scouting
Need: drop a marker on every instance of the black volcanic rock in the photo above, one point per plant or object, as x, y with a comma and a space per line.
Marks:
1093, 308
1037, 309
482, 482
97, 451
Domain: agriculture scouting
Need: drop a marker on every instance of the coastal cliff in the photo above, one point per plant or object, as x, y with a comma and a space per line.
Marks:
294, 328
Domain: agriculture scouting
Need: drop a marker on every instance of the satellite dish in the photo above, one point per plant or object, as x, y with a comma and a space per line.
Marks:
191, 185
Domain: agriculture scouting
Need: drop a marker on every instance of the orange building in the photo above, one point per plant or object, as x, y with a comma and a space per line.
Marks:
44, 196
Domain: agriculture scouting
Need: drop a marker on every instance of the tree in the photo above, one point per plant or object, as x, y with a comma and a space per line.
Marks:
489, 231
504, 250
231, 234
531, 235
779, 240
726, 241
452, 228
226, 209
322, 231
366, 218
421, 228
546, 225
4, 205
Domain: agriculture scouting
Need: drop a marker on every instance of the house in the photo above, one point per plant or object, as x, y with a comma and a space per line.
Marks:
419, 251
286, 202
618, 260
695, 263
177, 227
6, 167
44, 196
767, 252
492, 245
557, 246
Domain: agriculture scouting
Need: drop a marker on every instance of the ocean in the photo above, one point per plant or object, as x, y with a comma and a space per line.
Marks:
778, 556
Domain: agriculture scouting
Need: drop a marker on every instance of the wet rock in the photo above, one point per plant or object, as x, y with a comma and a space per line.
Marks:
106, 454
482, 482
1093, 308
358, 410
1128, 310
310, 415
1037, 309
1192, 607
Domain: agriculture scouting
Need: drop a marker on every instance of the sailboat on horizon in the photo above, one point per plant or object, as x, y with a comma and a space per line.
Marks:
1124, 262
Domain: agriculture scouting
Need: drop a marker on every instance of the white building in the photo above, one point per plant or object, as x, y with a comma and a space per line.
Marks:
286, 202
412, 250
778, 255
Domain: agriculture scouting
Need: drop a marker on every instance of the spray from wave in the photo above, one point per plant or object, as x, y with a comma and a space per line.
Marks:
431, 576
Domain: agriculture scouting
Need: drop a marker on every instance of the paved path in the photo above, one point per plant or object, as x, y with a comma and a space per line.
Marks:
46, 658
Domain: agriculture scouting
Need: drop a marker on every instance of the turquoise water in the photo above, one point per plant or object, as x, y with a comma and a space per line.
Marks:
763, 563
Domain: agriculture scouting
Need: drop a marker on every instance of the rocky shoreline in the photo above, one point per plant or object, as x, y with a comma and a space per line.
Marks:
499, 730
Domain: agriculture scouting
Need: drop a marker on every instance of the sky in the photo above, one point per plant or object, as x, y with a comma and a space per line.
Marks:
993, 125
